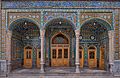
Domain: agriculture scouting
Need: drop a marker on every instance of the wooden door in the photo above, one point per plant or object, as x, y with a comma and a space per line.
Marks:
28, 58
38, 58
66, 56
81, 56
59, 50
92, 62
54, 57
60, 57
102, 64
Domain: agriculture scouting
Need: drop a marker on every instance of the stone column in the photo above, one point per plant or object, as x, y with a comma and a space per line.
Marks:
111, 48
8, 50
42, 32
77, 33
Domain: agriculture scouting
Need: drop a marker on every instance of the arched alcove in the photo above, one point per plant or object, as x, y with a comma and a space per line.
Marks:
59, 29
24, 32
95, 32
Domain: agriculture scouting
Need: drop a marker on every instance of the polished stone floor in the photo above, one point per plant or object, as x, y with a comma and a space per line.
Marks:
62, 72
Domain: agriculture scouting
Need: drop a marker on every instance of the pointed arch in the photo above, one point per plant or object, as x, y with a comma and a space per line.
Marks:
92, 47
65, 20
28, 47
63, 37
17, 21
100, 21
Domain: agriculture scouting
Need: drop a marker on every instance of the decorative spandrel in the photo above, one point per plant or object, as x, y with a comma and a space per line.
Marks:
72, 16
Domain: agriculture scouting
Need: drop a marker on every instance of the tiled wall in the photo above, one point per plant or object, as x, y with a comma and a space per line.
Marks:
0, 28
3, 35
116, 28
105, 16
54, 4
17, 50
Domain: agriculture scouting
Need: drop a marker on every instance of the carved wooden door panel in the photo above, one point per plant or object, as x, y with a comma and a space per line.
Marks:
54, 57
60, 57
59, 60
66, 56
28, 58
81, 56
102, 64
60, 50
38, 58
92, 58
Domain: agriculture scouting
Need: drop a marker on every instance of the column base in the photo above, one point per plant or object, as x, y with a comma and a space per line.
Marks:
42, 68
77, 69
111, 67
42, 71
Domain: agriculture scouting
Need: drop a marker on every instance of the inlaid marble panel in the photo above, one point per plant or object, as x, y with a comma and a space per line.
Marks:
3, 68
116, 68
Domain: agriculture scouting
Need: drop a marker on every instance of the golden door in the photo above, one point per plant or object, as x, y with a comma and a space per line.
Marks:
53, 57
102, 64
66, 56
60, 57
28, 58
38, 58
81, 56
59, 60
92, 62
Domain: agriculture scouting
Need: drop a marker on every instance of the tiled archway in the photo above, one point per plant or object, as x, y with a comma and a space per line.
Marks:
22, 32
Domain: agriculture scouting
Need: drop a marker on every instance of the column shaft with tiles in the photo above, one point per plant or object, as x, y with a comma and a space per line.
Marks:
116, 29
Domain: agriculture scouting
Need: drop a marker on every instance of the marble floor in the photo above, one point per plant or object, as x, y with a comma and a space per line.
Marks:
53, 72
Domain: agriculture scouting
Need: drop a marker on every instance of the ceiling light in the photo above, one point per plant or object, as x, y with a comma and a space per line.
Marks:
94, 23
27, 37
25, 23
60, 22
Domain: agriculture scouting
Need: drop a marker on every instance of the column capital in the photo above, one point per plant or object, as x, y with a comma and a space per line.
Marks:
9, 34
116, 11
77, 33
42, 33
111, 33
